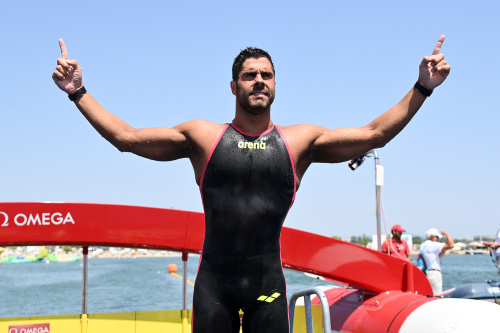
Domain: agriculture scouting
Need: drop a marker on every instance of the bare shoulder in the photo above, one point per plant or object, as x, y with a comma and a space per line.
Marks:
305, 132
199, 125
197, 131
301, 139
201, 135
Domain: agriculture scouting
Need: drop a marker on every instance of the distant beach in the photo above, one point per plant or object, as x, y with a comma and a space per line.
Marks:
61, 253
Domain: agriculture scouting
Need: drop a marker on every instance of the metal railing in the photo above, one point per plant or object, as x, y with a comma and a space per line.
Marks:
327, 327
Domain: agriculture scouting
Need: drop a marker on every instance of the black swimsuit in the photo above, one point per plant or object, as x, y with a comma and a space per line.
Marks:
247, 188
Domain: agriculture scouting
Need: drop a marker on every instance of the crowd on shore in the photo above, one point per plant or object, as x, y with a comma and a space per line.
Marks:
63, 253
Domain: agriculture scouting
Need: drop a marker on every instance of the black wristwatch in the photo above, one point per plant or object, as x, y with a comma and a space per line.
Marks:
420, 87
77, 94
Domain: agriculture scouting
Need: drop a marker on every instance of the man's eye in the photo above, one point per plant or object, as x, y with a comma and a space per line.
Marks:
249, 76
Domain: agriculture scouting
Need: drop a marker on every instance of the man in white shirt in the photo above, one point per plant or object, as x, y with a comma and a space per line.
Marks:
431, 250
495, 247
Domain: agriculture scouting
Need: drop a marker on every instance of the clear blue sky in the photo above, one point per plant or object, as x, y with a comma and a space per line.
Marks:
338, 63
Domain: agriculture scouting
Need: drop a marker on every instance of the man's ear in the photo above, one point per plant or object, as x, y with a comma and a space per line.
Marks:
233, 87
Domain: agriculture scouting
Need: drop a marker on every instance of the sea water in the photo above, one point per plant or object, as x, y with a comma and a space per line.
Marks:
144, 284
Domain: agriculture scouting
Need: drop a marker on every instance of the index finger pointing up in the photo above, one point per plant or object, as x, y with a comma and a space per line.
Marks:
437, 48
64, 52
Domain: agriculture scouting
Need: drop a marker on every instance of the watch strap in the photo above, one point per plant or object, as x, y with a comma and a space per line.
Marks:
77, 94
420, 87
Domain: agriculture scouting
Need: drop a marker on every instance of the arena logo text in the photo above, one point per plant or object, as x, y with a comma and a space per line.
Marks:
251, 145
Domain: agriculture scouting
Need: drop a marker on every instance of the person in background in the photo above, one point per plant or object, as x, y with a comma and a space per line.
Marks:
495, 249
432, 251
396, 246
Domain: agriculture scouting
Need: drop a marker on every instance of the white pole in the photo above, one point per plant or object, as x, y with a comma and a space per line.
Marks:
379, 181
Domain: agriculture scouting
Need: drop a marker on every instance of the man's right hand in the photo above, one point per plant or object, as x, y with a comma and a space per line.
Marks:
433, 70
68, 73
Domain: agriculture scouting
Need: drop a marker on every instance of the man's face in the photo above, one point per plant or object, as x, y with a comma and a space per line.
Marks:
255, 88
397, 234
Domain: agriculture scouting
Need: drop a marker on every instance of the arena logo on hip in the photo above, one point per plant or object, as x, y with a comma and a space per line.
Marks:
34, 328
22, 220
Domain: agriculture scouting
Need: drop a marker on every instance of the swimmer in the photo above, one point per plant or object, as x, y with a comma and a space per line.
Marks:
248, 172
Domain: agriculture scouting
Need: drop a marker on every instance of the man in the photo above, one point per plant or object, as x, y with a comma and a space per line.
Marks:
248, 173
495, 249
432, 251
396, 246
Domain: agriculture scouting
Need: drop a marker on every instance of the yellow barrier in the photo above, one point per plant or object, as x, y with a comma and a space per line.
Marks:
299, 325
170, 321
58, 324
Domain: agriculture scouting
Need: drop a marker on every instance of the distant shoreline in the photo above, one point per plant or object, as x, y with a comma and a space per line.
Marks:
94, 253
99, 253
155, 255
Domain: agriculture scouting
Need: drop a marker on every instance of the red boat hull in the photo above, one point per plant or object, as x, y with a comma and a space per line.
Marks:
84, 224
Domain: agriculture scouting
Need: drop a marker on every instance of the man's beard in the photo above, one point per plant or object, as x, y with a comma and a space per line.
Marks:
256, 107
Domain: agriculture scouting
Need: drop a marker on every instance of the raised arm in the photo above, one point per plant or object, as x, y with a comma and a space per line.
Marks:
449, 243
493, 245
154, 143
342, 144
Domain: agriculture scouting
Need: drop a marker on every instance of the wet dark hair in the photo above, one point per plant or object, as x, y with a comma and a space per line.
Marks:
249, 52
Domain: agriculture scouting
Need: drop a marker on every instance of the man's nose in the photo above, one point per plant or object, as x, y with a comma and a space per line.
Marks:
259, 78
